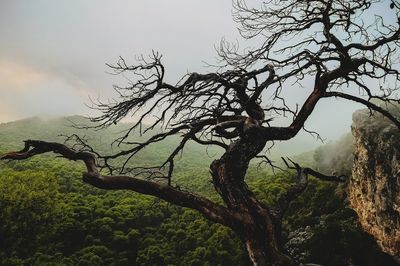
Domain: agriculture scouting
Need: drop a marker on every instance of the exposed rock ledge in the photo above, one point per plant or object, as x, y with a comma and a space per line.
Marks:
374, 188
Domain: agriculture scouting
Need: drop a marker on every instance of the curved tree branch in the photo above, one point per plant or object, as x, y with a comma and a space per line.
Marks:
328, 42
364, 102
209, 209
300, 185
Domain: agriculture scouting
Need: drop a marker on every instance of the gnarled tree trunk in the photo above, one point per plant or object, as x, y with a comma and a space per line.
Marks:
256, 226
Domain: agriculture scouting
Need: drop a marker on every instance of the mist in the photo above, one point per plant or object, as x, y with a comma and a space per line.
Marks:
53, 55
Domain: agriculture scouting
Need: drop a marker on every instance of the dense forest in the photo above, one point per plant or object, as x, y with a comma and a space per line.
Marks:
48, 216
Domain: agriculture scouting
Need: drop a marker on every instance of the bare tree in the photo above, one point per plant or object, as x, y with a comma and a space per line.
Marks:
343, 48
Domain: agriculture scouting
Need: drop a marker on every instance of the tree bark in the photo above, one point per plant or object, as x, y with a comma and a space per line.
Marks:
256, 226
252, 221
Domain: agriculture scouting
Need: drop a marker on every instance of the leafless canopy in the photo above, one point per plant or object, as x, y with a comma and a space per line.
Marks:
331, 48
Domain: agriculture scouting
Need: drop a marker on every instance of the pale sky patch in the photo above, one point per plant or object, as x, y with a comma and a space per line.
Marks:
14, 76
53, 53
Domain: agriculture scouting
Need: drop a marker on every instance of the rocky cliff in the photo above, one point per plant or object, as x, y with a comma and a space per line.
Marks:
374, 189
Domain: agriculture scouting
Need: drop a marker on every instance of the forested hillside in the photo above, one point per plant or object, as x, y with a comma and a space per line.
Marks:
50, 217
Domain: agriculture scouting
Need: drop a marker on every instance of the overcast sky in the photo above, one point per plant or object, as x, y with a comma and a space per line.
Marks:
53, 53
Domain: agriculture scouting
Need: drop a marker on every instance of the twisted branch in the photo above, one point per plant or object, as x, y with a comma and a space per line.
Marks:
209, 209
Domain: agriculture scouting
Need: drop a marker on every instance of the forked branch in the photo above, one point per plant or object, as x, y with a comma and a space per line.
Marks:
209, 209
301, 183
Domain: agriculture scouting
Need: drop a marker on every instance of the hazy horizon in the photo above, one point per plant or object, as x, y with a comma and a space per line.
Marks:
53, 54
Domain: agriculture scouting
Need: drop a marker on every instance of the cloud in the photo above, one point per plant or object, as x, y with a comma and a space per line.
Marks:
28, 91
6, 116
15, 76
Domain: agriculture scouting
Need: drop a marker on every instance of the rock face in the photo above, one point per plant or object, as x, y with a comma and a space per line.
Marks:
374, 188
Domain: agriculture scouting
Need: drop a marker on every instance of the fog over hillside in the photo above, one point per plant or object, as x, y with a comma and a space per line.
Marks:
303, 142
64, 63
